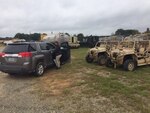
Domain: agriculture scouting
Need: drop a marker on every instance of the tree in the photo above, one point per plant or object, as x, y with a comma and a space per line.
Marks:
80, 37
35, 36
147, 30
27, 37
67, 34
126, 32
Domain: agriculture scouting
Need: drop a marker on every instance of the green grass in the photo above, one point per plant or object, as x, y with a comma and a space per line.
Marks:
121, 87
129, 86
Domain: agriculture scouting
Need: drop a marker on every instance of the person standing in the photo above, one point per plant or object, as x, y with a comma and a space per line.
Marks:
57, 55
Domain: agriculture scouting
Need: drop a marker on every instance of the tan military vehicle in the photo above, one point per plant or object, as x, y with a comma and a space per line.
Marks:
131, 54
73, 42
101, 52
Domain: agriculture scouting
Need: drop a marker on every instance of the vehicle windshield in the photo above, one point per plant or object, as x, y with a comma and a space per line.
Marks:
101, 44
127, 44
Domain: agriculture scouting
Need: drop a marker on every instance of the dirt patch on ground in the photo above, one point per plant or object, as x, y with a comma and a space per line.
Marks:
72, 57
59, 84
87, 70
103, 74
2, 94
52, 86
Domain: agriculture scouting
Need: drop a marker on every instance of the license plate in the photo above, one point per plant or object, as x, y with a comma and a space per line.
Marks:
11, 59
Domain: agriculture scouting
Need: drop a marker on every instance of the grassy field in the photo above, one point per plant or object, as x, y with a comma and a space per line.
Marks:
127, 90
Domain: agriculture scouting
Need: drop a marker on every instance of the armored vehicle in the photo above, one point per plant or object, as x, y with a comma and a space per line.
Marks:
131, 54
73, 42
101, 51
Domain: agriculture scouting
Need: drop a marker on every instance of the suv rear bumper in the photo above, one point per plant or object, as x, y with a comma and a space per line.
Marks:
15, 69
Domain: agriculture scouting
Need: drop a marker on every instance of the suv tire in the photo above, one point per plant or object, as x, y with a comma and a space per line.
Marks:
39, 69
102, 59
129, 65
88, 59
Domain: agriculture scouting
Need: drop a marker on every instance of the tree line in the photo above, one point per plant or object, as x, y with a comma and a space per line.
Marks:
28, 37
89, 41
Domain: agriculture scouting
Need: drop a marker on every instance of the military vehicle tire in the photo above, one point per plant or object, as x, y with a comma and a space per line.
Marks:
129, 65
102, 59
88, 59
109, 63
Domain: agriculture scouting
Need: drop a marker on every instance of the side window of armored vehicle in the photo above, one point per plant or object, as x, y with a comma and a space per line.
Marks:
137, 46
125, 44
103, 44
131, 44
143, 44
142, 49
146, 45
112, 45
98, 44
108, 45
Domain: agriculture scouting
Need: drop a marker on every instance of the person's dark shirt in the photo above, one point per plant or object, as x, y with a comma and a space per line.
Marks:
57, 51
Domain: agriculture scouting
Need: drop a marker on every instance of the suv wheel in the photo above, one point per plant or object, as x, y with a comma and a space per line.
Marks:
88, 59
129, 65
102, 59
39, 69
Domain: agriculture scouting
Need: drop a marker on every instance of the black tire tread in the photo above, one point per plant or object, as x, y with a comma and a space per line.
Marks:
88, 60
99, 59
39, 63
126, 62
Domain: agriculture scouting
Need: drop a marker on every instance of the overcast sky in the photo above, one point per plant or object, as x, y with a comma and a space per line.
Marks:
96, 17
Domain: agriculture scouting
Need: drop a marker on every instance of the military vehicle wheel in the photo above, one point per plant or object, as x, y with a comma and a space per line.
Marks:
129, 65
39, 69
109, 63
102, 59
88, 59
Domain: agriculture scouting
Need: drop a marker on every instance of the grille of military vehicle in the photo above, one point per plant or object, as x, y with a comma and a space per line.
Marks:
30, 57
101, 52
131, 54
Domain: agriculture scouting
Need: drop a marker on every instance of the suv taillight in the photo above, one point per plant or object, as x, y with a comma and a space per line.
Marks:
25, 54
2, 54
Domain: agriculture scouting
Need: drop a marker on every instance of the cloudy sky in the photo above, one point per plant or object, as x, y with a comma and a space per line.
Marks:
96, 17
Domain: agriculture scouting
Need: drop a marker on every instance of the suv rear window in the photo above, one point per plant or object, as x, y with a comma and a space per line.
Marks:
16, 48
